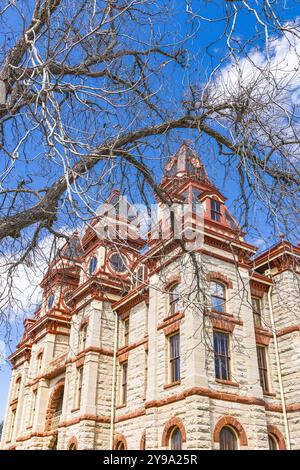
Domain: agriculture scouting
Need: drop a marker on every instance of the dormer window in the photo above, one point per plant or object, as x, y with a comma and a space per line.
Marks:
92, 265
215, 210
50, 301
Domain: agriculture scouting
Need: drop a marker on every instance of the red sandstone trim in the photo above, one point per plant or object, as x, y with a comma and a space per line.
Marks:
233, 423
118, 439
176, 317
287, 330
217, 276
228, 382
143, 441
131, 415
171, 424
129, 347
280, 439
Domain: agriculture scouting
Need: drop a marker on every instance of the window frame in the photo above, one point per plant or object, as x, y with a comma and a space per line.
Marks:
222, 301
126, 327
124, 383
33, 407
233, 433
174, 361
172, 432
93, 261
39, 363
79, 386
218, 356
12, 424
82, 336
214, 212
257, 314
274, 439
263, 369
173, 302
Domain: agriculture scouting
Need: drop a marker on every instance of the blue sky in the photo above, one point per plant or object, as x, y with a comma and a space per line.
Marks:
201, 60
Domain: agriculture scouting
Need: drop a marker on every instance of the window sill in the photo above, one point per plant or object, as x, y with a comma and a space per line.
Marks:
75, 409
227, 382
269, 394
119, 407
172, 384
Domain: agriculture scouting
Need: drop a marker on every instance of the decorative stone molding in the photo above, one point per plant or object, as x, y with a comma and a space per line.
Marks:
119, 438
217, 276
278, 435
233, 423
171, 424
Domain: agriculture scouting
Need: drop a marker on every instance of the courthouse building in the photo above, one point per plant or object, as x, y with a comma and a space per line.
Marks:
144, 344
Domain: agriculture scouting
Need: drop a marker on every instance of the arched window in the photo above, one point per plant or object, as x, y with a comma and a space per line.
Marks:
273, 442
120, 445
17, 387
175, 439
143, 442
173, 299
72, 446
217, 296
228, 439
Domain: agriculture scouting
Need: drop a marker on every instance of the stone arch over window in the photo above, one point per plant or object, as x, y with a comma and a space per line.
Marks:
120, 442
219, 277
231, 422
72, 444
54, 402
169, 428
275, 433
143, 441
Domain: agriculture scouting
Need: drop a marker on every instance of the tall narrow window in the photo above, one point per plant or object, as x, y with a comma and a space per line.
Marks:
82, 337
33, 407
263, 367
17, 387
175, 439
12, 424
173, 299
124, 369
39, 364
222, 355
256, 308
174, 361
216, 213
146, 375
217, 296
228, 439
126, 331
79, 386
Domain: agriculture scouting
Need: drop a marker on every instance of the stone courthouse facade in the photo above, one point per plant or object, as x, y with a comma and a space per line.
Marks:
151, 346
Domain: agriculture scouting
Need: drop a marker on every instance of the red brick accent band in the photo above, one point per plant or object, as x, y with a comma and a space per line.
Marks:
278, 435
174, 422
233, 423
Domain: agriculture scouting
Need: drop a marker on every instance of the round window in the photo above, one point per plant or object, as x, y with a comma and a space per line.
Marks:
92, 264
50, 301
117, 263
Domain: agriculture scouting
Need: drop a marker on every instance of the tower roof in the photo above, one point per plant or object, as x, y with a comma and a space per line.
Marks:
184, 163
